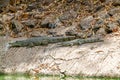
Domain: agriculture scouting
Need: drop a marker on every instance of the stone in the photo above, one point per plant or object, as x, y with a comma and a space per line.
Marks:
81, 34
107, 1
52, 25
101, 32
100, 21
46, 2
49, 22
53, 33
103, 15
85, 2
30, 7
86, 22
118, 21
1, 27
102, 1
116, 2
114, 11
71, 33
35, 6
112, 27
68, 15
116, 16
98, 25
44, 23
69, 1
16, 28
16, 25
4, 3
30, 23
98, 8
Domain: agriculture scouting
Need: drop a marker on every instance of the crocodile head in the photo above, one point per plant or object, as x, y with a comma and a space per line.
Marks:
15, 44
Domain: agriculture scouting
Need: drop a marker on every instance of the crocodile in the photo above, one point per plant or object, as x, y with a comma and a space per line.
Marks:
37, 41
80, 41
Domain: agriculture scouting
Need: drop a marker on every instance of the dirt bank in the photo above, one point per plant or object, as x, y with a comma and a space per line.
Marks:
93, 59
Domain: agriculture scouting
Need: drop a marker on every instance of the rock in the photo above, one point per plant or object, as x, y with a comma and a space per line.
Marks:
116, 16
37, 33
114, 11
86, 23
111, 27
32, 6
98, 25
99, 22
2, 30
46, 2
30, 23
57, 22
1, 27
98, 8
68, 15
107, 1
48, 22
12, 9
52, 25
69, 1
118, 21
101, 32
102, 1
44, 23
4, 3
71, 33
6, 17
53, 33
81, 34
35, 6
116, 2
40, 9
16, 24
71, 30
61, 30
103, 14
85, 2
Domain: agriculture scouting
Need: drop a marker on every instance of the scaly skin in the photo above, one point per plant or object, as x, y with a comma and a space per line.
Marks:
80, 41
37, 41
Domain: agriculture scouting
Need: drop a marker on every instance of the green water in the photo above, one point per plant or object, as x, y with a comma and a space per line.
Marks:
24, 77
